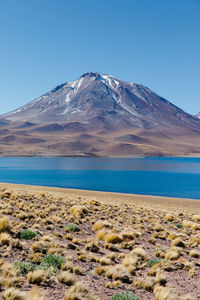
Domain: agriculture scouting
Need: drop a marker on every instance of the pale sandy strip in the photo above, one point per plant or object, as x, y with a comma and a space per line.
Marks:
166, 203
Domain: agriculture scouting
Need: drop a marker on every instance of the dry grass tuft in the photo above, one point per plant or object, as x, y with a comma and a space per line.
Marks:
144, 283
172, 254
79, 292
169, 218
66, 278
36, 276
100, 224
118, 272
36, 294
113, 238
101, 235
92, 246
194, 253
127, 235
5, 238
165, 293
196, 218
5, 225
78, 211
13, 294
178, 242
161, 278
139, 252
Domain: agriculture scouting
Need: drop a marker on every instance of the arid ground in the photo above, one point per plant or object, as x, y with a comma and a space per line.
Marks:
17, 139
74, 244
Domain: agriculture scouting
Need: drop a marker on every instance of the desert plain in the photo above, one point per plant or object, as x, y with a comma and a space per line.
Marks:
76, 244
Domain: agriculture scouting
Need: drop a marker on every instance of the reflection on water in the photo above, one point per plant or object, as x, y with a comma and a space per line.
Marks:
178, 177
167, 164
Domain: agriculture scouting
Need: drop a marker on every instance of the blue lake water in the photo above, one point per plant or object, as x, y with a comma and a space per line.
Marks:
174, 177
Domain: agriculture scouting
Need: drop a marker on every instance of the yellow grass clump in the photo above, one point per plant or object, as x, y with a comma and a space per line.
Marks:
187, 223
139, 251
40, 246
36, 257
36, 276
78, 211
36, 294
172, 253
78, 270
67, 266
100, 224
79, 292
101, 234
5, 238
92, 246
66, 277
127, 235
5, 225
161, 278
113, 238
105, 261
118, 272
194, 253
196, 218
13, 294
166, 293
178, 242
144, 283
169, 218
195, 226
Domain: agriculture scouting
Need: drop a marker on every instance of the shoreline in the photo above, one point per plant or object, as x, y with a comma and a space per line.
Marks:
96, 156
146, 201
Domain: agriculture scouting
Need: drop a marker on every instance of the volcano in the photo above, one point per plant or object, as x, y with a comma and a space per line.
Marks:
98, 114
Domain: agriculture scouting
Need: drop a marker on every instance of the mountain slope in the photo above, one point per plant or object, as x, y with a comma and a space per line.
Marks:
97, 99
99, 115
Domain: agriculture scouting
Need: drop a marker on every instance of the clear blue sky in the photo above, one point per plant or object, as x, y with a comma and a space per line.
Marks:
47, 42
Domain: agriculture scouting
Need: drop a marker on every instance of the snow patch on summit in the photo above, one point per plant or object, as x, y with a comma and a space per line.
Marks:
76, 84
110, 81
113, 84
74, 87
198, 115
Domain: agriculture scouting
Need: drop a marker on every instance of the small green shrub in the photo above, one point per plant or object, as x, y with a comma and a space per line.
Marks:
24, 267
178, 225
125, 296
52, 260
52, 264
72, 227
152, 262
27, 234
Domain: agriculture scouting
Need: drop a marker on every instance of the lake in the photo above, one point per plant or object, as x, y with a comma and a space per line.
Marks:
174, 177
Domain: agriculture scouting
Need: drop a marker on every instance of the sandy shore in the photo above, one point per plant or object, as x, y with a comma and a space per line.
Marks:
166, 203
